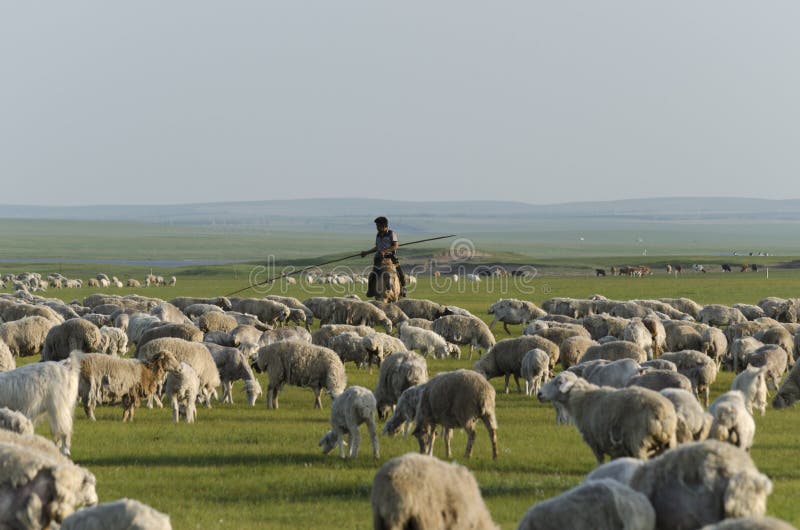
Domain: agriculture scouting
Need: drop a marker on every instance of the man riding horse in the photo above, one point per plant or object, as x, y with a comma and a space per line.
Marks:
385, 248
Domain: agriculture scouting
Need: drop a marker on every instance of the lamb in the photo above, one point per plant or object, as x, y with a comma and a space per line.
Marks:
379, 345
108, 380
660, 379
573, 349
455, 399
7, 361
125, 514
11, 420
513, 311
39, 489
752, 384
214, 321
461, 329
427, 342
354, 406
167, 312
732, 423
193, 353
419, 491
535, 370
26, 336
613, 351
598, 503
267, 311
113, 341
49, 388
774, 359
421, 308
694, 423
505, 358
698, 367
232, 366
182, 388
626, 422
405, 411
708, 480
398, 372
184, 301
187, 332
301, 364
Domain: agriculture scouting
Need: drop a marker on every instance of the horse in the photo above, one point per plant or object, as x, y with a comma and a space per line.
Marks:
387, 284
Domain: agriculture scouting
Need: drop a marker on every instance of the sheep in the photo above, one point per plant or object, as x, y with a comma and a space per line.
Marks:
297, 333
113, 341
455, 399
194, 311
659, 364
125, 514
535, 370
698, 367
25, 336
740, 349
11, 420
193, 353
182, 388
694, 423
684, 305
349, 347
513, 311
427, 342
108, 380
267, 311
379, 345
98, 319
214, 321
243, 319
419, 491
602, 325
660, 379
49, 388
18, 311
131, 282
301, 364
167, 312
572, 349
184, 301
720, 315
243, 334
39, 489
392, 311
420, 323
358, 313
627, 422
620, 469
556, 333
752, 384
732, 423
594, 504
789, 391
7, 361
294, 303
405, 410
682, 336
774, 359
700, 483
421, 308
398, 372
614, 374
461, 329
639, 334
750, 523
614, 351
233, 365
188, 332
325, 333
779, 336
751, 312
138, 323
354, 406
505, 358
715, 344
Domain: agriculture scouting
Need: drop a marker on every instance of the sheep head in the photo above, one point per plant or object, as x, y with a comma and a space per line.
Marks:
165, 361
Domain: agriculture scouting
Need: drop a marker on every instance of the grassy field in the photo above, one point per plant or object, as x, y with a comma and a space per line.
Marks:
247, 467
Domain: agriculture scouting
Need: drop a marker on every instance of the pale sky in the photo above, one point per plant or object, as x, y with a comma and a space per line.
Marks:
538, 101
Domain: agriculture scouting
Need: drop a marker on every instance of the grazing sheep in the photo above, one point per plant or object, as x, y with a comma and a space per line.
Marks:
188, 332
732, 423
615, 374
740, 350
75, 334
513, 311
297, 333
752, 384
7, 361
700, 483
392, 311
350, 348
138, 323
660, 379
243, 334
244, 319
427, 342
626, 422
109, 380
380, 345
780, 336
11, 420
750, 523
420, 323
49, 388
682, 336
720, 315
620, 469
593, 505
715, 344
167, 312
659, 364
698, 367
184, 301
358, 313
398, 372
505, 357
789, 391
535, 370
113, 341
419, 491
637, 333
268, 311
354, 406
25, 336
19, 311
462, 329
573, 349
181, 389
774, 359
751, 312
325, 333
684, 305
694, 423
233, 365
39, 489
216, 321
421, 308
554, 332
613, 351
301, 364
98, 319
294, 303
194, 353
131, 282
456, 399
405, 411
603, 325
124, 514
197, 310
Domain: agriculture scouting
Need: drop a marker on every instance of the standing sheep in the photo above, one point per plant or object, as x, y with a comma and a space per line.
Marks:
178, 331
350, 348
405, 411
505, 357
182, 302
774, 359
167, 312
698, 367
572, 349
182, 388
379, 345
193, 353
418, 491
268, 311
462, 329
354, 406
113, 341
720, 315
455, 399
124, 514
513, 311
25, 336
694, 423
427, 342
7, 361
294, 303
301, 364
398, 372
11, 420
789, 391
421, 308
752, 384
732, 423
535, 370
613, 351
232, 366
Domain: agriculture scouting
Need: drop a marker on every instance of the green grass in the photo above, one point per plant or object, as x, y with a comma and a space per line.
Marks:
248, 467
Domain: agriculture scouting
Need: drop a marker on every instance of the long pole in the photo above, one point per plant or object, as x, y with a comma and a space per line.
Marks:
356, 255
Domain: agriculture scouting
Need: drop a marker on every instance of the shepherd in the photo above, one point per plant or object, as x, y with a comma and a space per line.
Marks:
385, 248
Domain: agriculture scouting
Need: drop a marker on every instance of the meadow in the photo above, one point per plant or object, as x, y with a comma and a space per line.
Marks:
249, 467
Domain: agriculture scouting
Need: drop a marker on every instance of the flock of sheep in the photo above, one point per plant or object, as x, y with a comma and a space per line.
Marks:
32, 282
634, 382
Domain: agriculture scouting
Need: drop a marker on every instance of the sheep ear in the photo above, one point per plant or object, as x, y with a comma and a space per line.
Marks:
566, 385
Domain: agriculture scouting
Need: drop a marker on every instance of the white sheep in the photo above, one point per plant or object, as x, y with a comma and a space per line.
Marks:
113, 341
405, 411
535, 370
11, 420
25, 336
193, 353
7, 361
463, 329
354, 406
233, 365
127, 514
513, 311
182, 388
380, 345
398, 372
732, 423
694, 423
752, 384
427, 342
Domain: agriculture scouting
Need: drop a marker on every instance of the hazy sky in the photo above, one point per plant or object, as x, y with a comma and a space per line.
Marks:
537, 101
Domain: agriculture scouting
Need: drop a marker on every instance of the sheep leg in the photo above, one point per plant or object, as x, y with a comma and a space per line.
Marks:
317, 398
470, 428
340, 443
492, 429
507, 377
494, 321
505, 327
516, 380
373, 437
447, 434
528, 386
355, 440
175, 409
